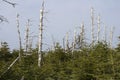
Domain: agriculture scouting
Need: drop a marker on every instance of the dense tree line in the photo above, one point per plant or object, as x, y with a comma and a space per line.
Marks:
98, 62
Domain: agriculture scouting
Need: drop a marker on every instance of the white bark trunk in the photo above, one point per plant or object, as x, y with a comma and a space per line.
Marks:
92, 25
19, 37
98, 23
40, 35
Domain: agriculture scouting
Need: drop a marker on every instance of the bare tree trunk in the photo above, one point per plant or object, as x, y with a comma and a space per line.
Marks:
67, 42
30, 45
40, 35
22, 78
75, 40
54, 43
82, 35
64, 44
92, 25
27, 37
111, 54
10, 66
111, 36
19, 37
98, 33
105, 34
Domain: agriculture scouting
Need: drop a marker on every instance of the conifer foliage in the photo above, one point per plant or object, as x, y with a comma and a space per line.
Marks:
98, 62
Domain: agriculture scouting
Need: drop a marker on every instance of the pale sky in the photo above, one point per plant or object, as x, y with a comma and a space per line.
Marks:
62, 16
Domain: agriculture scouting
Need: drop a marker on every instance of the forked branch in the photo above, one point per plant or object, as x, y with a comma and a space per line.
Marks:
2, 18
11, 3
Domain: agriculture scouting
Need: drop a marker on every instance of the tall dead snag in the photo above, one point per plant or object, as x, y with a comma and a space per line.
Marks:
81, 37
111, 36
19, 37
30, 44
40, 35
92, 26
75, 41
111, 54
105, 34
82, 34
98, 25
67, 42
27, 37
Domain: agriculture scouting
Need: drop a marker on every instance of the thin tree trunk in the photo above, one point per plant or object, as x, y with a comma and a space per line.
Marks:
67, 42
27, 37
98, 23
111, 36
92, 25
19, 37
40, 35
82, 35
10, 66
75, 40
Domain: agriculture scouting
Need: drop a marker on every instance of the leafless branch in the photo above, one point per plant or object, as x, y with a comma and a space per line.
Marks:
2, 18
11, 3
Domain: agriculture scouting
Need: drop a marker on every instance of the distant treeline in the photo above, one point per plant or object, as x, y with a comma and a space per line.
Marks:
97, 62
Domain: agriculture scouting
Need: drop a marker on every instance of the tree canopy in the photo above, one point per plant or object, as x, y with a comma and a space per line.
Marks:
90, 63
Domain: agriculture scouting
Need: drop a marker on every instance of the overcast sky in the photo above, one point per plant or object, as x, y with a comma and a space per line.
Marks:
62, 16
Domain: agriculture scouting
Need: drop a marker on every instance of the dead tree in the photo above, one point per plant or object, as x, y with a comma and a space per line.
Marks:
111, 54
19, 37
75, 40
64, 43
22, 78
82, 35
105, 34
10, 66
80, 42
67, 42
54, 43
98, 25
92, 26
27, 36
111, 36
30, 44
40, 35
